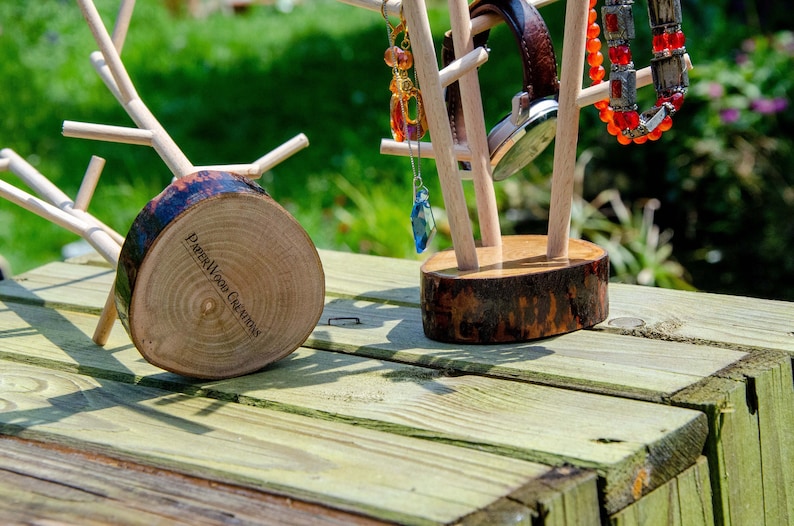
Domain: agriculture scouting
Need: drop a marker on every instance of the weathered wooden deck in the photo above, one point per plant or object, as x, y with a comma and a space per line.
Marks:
677, 410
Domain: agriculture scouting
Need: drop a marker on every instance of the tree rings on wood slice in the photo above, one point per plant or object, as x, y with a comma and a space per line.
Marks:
517, 294
216, 280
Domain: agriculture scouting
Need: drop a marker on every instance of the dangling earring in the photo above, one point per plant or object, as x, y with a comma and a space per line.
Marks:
403, 127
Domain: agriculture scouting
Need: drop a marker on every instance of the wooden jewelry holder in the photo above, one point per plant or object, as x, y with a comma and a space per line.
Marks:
214, 279
512, 288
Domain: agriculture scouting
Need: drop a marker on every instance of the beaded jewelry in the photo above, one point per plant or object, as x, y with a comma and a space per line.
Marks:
403, 127
668, 68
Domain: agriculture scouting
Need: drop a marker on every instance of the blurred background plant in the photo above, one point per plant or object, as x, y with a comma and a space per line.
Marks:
708, 206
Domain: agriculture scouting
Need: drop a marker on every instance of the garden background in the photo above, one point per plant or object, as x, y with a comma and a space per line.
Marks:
709, 206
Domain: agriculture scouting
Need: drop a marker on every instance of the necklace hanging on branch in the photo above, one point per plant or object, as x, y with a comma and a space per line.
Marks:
406, 128
668, 67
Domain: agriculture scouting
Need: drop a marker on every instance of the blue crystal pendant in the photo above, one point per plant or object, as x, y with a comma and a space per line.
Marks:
424, 226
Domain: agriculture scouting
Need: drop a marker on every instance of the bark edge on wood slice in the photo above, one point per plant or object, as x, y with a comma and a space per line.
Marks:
518, 294
216, 279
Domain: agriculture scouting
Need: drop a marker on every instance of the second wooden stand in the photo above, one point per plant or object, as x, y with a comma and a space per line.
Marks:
518, 294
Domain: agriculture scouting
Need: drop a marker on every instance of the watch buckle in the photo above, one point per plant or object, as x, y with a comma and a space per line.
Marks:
520, 108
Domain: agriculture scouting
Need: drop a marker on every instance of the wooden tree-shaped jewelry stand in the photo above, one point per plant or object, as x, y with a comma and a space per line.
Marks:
512, 288
214, 279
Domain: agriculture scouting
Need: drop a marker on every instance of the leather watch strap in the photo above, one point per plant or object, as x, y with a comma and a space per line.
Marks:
534, 43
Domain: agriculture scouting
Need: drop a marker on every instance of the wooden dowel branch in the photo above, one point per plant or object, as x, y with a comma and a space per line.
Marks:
576, 16
52, 194
105, 132
122, 24
89, 184
392, 147
281, 153
477, 136
459, 67
94, 235
110, 68
124, 90
106, 319
103, 71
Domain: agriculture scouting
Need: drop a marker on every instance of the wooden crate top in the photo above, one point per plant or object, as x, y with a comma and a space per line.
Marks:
372, 418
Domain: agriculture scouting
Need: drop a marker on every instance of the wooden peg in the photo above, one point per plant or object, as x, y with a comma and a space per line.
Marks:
106, 319
281, 153
122, 24
104, 132
461, 66
255, 169
90, 181
392, 147
102, 38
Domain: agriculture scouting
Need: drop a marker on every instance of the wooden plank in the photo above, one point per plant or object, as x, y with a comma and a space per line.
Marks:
645, 369
346, 467
43, 482
683, 501
621, 439
83, 288
738, 323
584, 360
714, 319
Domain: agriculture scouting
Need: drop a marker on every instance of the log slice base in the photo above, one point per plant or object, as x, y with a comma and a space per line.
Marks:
516, 295
216, 280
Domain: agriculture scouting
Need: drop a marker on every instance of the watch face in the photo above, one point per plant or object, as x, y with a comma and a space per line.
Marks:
523, 143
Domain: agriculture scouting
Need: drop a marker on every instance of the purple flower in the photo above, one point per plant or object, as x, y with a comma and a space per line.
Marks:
769, 106
716, 90
729, 115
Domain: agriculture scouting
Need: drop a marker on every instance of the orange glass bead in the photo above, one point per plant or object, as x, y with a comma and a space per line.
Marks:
595, 59
597, 74
602, 104
593, 30
655, 135
622, 139
404, 58
666, 124
606, 115
390, 56
592, 16
593, 45
612, 129
641, 140
593, 3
